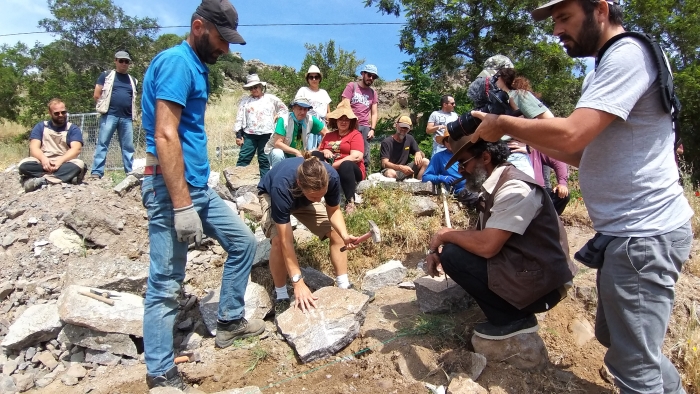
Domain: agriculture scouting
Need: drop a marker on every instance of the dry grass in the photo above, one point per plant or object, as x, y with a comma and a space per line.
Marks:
11, 151
689, 352
218, 121
576, 214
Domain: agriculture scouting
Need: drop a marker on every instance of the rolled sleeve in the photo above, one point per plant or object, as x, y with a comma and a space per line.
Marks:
514, 207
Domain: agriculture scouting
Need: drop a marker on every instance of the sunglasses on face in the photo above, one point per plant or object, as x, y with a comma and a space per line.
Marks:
372, 76
124, 61
60, 113
451, 103
314, 77
463, 164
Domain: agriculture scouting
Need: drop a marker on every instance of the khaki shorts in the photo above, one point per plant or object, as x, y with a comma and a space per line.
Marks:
313, 216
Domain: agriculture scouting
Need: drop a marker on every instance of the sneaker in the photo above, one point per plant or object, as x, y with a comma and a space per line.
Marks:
368, 293
241, 328
171, 378
95, 177
282, 305
32, 184
523, 326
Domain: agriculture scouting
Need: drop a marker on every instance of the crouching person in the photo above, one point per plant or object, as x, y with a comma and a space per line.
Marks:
516, 263
54, 147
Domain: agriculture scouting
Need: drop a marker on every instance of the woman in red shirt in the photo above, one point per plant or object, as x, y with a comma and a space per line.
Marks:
344, 149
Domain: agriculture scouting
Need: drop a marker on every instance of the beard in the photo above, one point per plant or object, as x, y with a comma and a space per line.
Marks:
477, 178
586, 44
401, 136
205, 50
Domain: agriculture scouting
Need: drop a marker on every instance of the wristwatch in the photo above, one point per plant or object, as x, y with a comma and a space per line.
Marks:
296, 278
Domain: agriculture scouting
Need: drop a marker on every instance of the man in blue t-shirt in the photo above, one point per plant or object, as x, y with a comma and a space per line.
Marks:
181, 207
54, 147
115, 97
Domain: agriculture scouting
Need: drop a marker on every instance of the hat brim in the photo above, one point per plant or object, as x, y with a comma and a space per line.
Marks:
251, 84
440, 139
303, 105
487, 73
405, 125
122, 57
340, 112
545, 11
459, 149
230, 35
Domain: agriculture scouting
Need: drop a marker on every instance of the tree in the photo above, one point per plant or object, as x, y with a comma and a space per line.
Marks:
676, 25
448, 42
15, 63
338, 67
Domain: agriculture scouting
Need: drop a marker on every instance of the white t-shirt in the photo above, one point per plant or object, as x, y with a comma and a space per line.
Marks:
441, 118
258, 115
319, 101
628, 173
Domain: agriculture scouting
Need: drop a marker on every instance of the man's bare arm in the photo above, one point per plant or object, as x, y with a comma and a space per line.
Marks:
170, 152
97, 93
485, 243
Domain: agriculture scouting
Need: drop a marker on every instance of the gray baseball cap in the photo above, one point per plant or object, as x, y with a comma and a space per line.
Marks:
122, 55
545, 11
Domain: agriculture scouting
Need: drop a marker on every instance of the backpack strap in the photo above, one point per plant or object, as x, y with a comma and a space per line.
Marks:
669, 99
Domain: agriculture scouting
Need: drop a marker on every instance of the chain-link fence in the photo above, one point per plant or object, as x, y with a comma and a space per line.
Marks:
89, 124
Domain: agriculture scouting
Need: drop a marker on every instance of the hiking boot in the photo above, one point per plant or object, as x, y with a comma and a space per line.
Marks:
522, 326
95, 177
171, 378
368, 293
282, 305
32, 184
241, 328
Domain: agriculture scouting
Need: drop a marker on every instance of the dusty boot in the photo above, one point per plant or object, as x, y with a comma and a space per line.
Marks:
227, 332
171, 378
32, 184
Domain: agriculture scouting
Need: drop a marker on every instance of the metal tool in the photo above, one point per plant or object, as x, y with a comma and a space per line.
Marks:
104, 294
444, 203
96, 297
373, 232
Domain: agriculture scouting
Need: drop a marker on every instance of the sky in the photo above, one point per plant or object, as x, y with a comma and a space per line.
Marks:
278, 45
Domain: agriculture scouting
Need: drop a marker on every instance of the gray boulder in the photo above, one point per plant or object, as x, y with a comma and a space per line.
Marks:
423, 206
101, 358
126, 185
124, 317
66, 239
262, 253
523, 351
258, 304
96, 340
326, 329
315, 279
117, 274
38, 323
419, 188
463, 384
7, 385
95, 225
440, 295
390, 273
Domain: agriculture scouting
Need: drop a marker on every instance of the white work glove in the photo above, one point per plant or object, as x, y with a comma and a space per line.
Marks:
188, 226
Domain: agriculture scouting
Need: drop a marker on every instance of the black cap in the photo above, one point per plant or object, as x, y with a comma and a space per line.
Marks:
224, 16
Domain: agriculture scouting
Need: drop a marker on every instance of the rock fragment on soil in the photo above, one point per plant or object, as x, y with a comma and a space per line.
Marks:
101, 358
523, 351
258, 304
127, 184
423, 206
582, 331
325, 330
388, 274
463, 384
97, 340
38, 323
440, 295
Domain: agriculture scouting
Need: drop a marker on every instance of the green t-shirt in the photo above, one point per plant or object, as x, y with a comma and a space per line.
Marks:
296, 142
527, 103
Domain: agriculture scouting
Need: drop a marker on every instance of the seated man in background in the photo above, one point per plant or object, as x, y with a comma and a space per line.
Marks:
438, 173
516, 263
53, 148
395, 151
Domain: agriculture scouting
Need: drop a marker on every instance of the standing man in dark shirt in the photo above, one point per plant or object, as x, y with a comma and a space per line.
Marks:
397, 148
115, 96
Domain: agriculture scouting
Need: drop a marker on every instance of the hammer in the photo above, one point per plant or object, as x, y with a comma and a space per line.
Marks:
373, 232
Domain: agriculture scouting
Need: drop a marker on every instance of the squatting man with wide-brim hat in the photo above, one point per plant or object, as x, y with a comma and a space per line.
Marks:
255, 122
516, 263
181, 206
621, 139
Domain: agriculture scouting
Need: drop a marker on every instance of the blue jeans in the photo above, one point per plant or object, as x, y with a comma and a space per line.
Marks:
276, 156
635, 298
168, 259
521, 161
125, 131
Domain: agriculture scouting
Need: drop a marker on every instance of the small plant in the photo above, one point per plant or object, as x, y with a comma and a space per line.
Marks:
258, 354
442, 327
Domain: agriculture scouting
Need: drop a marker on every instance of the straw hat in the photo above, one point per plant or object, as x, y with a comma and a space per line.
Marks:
342, 109
440, 139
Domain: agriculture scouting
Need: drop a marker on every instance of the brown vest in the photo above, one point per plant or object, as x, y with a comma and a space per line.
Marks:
531, 265
54, 143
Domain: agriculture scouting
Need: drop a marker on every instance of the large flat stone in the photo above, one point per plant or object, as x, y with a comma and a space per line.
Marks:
423, 206
419, 188
124, 317
262, 253
237, 177
523, 351
39, 323
316, 279
101, 358
326, 329
118, 274
440, 295
66, 239
96, 340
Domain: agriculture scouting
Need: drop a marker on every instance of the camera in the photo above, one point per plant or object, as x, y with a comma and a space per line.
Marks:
487, 98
